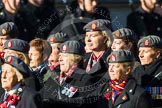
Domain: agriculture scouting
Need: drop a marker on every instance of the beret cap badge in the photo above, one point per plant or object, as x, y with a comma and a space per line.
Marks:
117, 34
4, 31
64, 48
52, 39
10, 44
9, 59
94, 26
113, 57
146, 43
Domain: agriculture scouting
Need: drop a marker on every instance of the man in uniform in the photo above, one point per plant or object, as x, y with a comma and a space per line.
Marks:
37, 20
144, 21
82, 12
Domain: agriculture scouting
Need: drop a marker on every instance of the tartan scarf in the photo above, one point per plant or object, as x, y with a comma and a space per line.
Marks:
116, 88
92, 61
63, 75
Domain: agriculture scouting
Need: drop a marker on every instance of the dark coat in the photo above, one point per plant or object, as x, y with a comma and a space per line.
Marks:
150, 76
99, 70
133, 96
29, 99
140, 21
76, 19
52, 93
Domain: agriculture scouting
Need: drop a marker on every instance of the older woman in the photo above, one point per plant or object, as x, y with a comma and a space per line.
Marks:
17, 95
122, 91
149, 73
39, 53
65, 86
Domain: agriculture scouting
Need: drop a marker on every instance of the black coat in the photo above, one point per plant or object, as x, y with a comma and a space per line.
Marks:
99, 70
140, 21
133, 96
150, 76
52, 93
29, 99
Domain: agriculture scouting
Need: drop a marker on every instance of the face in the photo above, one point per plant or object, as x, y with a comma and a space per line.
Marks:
117, 72
66, 62
8, 78
10, 52
147, 55
35, 57
53, 59
3, 39
118, 44
36, 2
90, 5
150, 4
95, 41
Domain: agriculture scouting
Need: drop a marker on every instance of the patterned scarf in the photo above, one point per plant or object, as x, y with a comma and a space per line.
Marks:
92, 61
116, 89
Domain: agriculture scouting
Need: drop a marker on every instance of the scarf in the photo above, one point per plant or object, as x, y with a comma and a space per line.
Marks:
92, 61
116, 89
63, 75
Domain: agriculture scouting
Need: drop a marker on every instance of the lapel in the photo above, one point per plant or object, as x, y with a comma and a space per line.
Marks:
2, 97
125, 96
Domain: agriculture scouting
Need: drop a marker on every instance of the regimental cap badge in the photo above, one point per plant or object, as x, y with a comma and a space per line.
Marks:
124, 97
10, 44
117, 34
52, 39
147, 43
64, 48
9, 59
4, 31
94, 26
113, 57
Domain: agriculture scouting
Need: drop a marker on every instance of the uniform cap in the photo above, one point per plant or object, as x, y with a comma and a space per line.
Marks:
125, 34
150, 41
97, 25
58, 38
17, 44
121, 56
18, 64
9, 28
73, 47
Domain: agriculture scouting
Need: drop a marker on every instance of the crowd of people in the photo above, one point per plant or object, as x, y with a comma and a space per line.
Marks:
78, 60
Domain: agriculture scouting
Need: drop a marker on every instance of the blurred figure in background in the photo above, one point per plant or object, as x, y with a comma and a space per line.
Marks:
144, 21
38, 19
79, 14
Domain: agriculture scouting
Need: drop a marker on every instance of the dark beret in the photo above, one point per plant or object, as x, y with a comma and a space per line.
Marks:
97, 25
150, 41
125, 34
17, 44
19, 65
10, 29
121, 56
73, 47
58, 38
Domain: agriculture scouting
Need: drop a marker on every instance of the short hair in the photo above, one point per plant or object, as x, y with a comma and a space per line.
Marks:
42, 46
